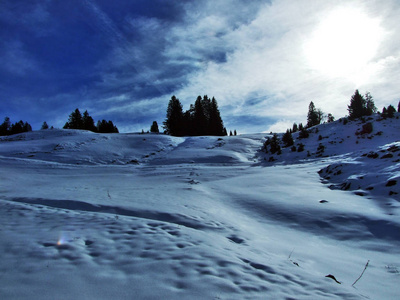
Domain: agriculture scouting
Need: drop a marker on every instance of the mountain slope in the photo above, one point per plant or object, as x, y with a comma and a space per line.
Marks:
105, 216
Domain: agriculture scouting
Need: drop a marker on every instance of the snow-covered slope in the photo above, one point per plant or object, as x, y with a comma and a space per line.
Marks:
130, 216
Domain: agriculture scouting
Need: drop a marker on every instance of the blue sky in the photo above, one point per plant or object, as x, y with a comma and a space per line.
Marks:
264, 61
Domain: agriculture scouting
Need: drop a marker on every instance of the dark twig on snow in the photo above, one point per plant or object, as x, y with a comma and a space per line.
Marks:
334, 278
366, 266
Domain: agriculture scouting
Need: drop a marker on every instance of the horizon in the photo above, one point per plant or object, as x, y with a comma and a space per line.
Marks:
264, 62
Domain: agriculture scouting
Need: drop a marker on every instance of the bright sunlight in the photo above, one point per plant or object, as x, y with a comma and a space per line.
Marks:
343, 44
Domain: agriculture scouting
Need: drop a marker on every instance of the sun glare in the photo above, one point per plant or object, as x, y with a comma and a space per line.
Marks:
343, 44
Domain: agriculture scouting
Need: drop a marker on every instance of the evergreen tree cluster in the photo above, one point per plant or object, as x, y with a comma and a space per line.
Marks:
314, 116
388, 112
272, 145
361, 106
6, 128
85, 122
202, 118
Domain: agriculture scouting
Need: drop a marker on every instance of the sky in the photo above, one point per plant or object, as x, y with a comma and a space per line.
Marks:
263, 61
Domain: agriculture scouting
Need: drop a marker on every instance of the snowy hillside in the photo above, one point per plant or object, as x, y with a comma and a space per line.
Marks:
131, 216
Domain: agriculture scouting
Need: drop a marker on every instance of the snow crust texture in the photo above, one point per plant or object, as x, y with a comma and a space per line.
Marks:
132, 216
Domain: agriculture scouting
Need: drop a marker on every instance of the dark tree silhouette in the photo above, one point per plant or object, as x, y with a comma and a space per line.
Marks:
314, 116
106, 127
274, 144
331, 118
390, 111
398, 107
88, 122
174, 120
370, 105
154, 127
287, 139
216, 126
200, 125
360, 106
74, 120
295, 128
5, 126
44, 126
202, 118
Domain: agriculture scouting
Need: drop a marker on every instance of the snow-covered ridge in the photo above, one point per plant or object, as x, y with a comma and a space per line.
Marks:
132, 216
368, 164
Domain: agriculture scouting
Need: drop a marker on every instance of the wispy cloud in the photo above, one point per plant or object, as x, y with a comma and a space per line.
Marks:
16, 60
123, 60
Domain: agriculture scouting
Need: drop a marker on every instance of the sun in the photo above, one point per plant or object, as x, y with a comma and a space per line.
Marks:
343, 44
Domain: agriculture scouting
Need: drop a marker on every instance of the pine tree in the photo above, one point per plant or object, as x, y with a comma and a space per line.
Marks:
45, 126
235, 133
88, 122
398, 107
174, 120
312, 116
216, 126
370, 107
74, 120
199, 119
331, 118
358, 106
5, 127
390, 111
295, 128
154, 127
384, 113
274, 144
287, 139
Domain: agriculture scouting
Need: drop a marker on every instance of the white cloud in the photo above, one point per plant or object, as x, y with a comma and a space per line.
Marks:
266, 58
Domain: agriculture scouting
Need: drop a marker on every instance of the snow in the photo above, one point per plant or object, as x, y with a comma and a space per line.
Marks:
122, 216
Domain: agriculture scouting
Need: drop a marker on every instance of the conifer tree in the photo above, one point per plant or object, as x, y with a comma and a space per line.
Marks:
274, 144
360, 106
74, 120
88, 122
331, 118
313, 117
45, 126
199, 119
390, 111
370, 107
287, 139
154, 127
5, 126
216, 126
174, 120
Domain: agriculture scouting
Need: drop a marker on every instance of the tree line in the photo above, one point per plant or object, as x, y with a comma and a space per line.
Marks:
202, 118
78, 121
360, 106
7, 128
